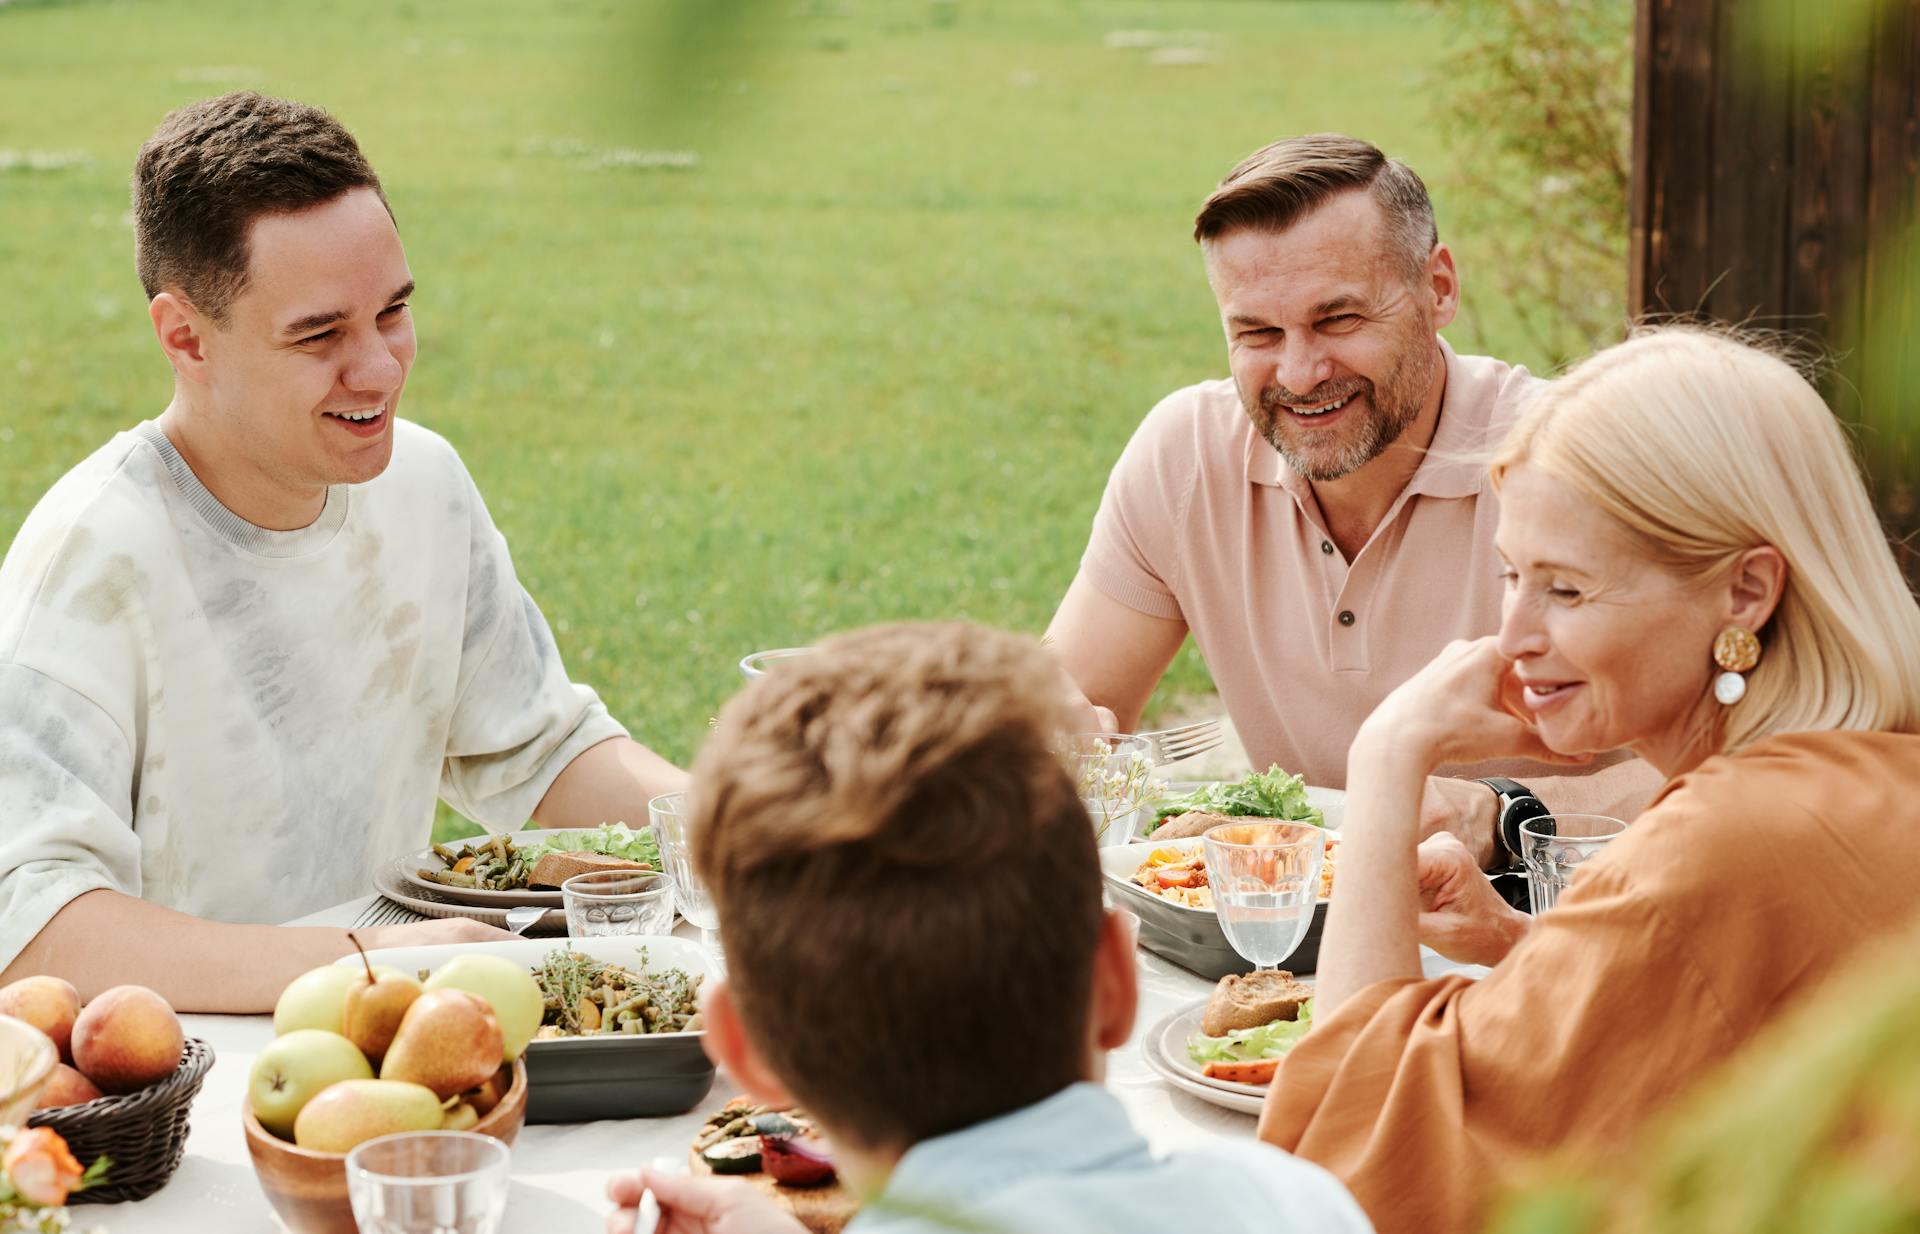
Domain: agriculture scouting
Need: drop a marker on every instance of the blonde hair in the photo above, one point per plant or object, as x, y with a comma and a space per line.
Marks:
1702, 447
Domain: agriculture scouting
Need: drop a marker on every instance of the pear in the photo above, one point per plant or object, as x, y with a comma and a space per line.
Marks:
352, 1111
461, 1117
491, 1093
508, 988
448, 1040
375, 1007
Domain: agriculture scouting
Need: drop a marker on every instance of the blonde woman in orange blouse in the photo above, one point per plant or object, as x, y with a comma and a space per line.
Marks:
1666, 491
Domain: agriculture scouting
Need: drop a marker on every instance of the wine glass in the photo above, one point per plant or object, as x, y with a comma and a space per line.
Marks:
1266, 882
760, 663
668, 814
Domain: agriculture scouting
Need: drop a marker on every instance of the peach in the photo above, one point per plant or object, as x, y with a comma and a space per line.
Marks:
126, 1039
49, 1004
67, 1087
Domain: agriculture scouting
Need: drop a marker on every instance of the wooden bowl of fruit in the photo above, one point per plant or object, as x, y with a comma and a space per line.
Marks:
309, 1188
447, 1052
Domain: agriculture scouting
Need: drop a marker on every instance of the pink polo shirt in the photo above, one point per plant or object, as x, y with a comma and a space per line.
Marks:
1205, 523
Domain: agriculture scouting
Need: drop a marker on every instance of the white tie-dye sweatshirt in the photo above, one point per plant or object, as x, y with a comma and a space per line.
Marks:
240, 723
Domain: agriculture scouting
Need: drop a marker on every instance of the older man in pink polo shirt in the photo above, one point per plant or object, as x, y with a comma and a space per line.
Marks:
1321, 521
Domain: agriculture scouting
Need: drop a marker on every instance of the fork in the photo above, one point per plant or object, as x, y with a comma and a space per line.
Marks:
1170, 745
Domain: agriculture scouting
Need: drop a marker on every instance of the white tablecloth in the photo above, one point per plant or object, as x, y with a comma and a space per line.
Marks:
560, 1171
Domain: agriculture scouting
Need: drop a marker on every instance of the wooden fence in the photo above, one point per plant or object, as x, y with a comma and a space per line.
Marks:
1776, 182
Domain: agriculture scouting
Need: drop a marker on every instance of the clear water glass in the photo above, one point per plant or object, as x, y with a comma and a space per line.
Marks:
669, 816
428, 1182
1266, 883
1114, 772
761, 662
1555, 846
604, 903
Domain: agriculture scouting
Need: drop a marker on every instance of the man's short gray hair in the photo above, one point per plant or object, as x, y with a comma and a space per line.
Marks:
1277, 185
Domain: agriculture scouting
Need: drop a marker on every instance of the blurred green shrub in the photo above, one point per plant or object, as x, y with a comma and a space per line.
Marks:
1536, 103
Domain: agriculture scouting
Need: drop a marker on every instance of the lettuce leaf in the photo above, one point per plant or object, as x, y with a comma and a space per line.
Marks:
1269, 794
1246, 1045
613, 839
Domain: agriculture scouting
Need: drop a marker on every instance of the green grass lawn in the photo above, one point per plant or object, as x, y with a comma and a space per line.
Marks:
870, 356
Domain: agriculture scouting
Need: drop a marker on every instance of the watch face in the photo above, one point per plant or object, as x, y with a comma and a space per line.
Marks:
1527, 809
1519, 810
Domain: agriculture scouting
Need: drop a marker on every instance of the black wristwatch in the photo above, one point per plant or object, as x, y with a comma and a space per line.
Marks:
1517, 805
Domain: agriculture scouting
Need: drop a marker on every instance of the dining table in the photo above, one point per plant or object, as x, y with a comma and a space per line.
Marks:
560, 1171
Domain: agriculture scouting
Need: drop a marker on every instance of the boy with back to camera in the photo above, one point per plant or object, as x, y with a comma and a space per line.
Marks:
917, 954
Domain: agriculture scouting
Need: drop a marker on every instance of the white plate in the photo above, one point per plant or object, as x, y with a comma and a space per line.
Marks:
1165, 1048
663, 951
408, 869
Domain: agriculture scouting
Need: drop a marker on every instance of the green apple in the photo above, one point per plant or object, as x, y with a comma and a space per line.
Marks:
318, 998
509, 989
294, 1069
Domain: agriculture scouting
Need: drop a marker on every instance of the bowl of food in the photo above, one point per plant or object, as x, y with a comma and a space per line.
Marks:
1163, 881
309, 1188
619, 1035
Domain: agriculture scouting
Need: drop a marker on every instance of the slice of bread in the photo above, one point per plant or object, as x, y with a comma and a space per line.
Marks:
556, 868
1251, 999
1192, 823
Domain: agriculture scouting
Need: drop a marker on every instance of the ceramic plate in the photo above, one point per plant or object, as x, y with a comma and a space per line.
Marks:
390, 882
1165, 1047
409, 868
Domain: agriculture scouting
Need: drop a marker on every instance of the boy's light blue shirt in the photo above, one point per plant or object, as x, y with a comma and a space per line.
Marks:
1073, 1163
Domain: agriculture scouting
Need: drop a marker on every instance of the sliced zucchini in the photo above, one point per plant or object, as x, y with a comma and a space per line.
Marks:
740, 1156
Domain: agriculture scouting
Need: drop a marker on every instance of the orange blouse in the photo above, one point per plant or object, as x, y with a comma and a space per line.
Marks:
1744, 883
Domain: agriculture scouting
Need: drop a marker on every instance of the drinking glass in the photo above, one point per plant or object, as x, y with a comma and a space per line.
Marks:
1266, 881
428, 1182
601, 903
668, 813
761, 662
1114, 772
1554, 846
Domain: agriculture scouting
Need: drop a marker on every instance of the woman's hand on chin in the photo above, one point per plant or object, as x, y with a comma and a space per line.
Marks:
1463, 707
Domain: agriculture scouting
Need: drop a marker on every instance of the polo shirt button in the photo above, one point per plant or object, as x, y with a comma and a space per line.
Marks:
1326, 546
1346, 617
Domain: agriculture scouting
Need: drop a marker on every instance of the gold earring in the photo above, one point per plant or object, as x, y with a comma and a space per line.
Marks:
1736, 651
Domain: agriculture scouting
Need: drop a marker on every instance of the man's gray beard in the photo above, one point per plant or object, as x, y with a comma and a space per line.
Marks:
1388, 419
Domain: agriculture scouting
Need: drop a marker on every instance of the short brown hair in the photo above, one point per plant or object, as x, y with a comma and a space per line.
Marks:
215, 166
906, 879
1277, 185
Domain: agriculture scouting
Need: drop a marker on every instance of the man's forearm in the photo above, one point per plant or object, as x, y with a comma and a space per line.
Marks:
1468, 810
103, 939
1621, 791
608, 783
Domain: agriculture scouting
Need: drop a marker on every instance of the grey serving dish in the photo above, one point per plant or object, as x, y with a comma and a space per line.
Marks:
1191, 937
582, 1079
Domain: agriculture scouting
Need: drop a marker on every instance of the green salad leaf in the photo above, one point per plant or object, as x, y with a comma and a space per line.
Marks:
1246, 1045
612, 839
1269, 794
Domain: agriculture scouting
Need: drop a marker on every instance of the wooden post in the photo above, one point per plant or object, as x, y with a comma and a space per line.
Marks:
1776, 184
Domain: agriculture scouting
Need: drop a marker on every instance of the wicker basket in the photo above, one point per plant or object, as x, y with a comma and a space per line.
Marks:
145, 1132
